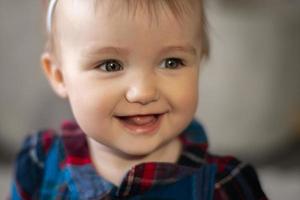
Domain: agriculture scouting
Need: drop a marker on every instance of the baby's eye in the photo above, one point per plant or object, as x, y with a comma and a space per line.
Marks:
173, 63
110, 66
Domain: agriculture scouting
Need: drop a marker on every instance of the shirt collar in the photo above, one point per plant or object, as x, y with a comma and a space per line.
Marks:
140, 178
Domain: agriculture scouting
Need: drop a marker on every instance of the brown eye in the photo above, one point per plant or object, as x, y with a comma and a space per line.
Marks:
110, 66
173, 63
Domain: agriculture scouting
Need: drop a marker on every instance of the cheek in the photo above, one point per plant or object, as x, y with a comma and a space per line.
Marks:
92, 102
183, 93
182, 96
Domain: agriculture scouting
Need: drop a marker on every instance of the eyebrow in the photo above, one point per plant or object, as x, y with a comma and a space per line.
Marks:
123, 51
185, 48
108, 49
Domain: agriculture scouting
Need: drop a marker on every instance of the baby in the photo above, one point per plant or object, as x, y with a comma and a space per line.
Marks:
129, 69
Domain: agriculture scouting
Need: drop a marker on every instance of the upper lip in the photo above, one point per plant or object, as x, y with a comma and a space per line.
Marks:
139, 114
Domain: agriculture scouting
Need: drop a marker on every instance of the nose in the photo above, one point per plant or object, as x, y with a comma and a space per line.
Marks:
142, 90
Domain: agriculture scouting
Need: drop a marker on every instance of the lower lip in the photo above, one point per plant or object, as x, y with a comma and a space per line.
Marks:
147, 129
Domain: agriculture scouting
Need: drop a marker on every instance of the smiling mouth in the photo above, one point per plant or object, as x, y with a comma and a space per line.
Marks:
141, 124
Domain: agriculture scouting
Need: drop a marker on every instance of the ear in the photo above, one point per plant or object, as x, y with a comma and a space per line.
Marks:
54, 74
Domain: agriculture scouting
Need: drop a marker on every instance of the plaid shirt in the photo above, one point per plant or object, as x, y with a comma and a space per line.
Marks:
52, 166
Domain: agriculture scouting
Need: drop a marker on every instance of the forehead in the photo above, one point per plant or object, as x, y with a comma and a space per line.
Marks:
152, 9
92, 18
178, 7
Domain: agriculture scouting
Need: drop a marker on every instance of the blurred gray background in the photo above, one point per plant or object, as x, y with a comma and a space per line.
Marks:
249, 88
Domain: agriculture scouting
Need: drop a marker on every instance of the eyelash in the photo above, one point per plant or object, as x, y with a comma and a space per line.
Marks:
106, 63
179, 63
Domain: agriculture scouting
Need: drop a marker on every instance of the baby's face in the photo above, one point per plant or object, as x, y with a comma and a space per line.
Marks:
131, 82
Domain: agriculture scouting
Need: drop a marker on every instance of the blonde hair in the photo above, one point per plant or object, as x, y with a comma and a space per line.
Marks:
177, 7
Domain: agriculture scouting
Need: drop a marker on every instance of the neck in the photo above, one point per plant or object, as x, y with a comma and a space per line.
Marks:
116, 164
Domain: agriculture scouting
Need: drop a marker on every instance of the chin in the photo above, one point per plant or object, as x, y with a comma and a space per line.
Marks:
137, 151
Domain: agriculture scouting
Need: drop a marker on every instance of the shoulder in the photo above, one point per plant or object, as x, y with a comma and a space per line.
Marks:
30, 161
235, 179
38, 142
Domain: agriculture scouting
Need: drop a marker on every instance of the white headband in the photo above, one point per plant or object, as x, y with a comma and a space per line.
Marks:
50, 12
